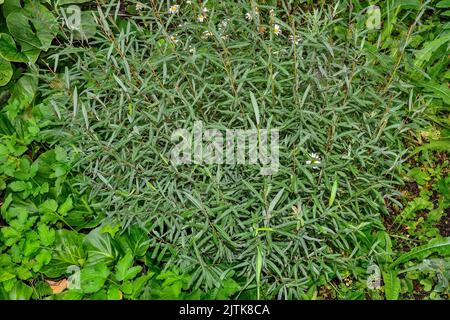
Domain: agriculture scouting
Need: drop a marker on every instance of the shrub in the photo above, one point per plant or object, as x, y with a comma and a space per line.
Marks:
121, 94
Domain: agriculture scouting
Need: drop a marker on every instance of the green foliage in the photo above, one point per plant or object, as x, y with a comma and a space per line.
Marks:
30, 27
88, 195
203, 219
391, 285
441, 246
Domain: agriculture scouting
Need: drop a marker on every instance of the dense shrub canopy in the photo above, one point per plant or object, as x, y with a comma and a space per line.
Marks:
129, 87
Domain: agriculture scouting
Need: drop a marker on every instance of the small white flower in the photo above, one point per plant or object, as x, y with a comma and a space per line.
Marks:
276, 29
174, 9
294, 39
188, 2
174, 39
224, 23
206, 34
205, 10
139, 6
272, 13
191, 49
248, 16
315, 160
201, 17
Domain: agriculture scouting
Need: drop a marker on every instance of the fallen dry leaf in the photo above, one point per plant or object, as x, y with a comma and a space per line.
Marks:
58, 286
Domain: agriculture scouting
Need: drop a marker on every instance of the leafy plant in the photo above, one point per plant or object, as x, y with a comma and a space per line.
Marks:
31, 28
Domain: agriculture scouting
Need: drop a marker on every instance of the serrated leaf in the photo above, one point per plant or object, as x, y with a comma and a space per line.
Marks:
441, 246
48, 206
392, 285
424, 55
124, 269
46, 235
136, 240
66, 206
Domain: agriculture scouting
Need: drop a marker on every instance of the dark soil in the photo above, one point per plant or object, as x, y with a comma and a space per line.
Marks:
444, 224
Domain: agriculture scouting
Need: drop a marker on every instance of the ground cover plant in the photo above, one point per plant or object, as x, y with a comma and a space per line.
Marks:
93, 207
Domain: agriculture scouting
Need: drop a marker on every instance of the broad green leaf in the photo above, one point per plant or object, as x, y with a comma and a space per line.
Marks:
31, 244
31, 52
41, 290
6, 275
124, 268
100, 248
227, 289
6, 72
136, 240
20, 291
23, 273
93, 278
24, 90
11, 6
73, 294
391, 285
68, 252
42, 258
443, 4
9, 51
19, 27
42, 20
114, 293
66, 206
46, 234
48, 206
18, 186
138, 285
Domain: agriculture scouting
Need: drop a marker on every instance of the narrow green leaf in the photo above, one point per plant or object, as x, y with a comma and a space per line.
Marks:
255, 107
333, 192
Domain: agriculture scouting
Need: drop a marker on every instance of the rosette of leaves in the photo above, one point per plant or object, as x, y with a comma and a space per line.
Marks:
26, 28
